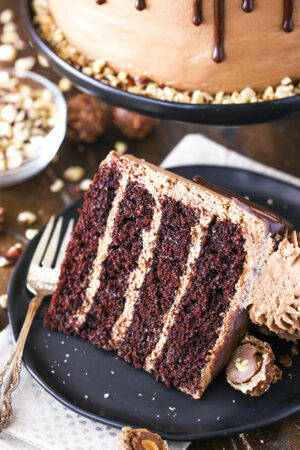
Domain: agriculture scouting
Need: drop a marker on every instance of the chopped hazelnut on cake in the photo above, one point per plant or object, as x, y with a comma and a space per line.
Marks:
163, 270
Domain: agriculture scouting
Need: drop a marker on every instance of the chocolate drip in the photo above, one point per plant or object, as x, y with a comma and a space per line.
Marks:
140, 5
197, 12
218, 53
273, 221
288, 24
248, 5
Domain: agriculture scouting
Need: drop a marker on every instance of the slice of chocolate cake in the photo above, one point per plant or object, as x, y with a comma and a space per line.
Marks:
161, 269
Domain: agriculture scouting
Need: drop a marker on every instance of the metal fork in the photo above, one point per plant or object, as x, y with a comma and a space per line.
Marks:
41, 281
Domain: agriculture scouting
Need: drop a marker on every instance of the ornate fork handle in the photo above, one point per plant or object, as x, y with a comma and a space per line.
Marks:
10, 376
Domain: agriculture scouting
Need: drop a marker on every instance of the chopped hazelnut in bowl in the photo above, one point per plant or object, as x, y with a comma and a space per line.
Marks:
33, 116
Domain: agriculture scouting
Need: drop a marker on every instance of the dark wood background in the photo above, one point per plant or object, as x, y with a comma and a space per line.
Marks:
276, 144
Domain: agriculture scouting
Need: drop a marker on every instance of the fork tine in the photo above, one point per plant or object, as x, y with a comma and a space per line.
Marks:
42, 245
64, 244
53, 244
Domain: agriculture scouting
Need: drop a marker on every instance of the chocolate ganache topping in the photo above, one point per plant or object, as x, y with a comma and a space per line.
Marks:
218, 52
219, 19
197, 12
140, 5
288, 24
275, 224
248, 5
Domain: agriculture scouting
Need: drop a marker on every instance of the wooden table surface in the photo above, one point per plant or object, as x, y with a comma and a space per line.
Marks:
276, 144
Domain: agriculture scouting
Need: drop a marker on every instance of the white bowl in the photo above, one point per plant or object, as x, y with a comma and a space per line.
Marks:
51, 142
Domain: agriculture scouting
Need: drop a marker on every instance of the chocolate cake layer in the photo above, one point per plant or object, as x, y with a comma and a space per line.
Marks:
202, 309
82, 250
161, 282
135, 215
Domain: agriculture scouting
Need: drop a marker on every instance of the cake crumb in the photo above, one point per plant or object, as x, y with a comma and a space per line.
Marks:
106, 395
270, 201
172, 408
112, 372
86, 396
285, 360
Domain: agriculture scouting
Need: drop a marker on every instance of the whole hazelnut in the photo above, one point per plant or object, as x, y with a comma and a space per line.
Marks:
88, 118
133, 125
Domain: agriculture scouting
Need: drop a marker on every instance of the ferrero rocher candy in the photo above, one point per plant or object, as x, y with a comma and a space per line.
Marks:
141, 439
88, 118
251, 369
133, 125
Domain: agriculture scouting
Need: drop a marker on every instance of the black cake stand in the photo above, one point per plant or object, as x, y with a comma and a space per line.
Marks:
226, 115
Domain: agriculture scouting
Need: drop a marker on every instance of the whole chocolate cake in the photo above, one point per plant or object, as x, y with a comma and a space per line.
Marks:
212, 46
164, 270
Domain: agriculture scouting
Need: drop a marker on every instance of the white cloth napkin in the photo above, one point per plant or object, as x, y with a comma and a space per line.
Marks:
40, 421
197, 149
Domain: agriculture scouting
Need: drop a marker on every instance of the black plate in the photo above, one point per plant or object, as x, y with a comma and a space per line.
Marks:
135, 397
205, 114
